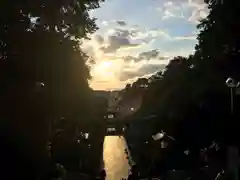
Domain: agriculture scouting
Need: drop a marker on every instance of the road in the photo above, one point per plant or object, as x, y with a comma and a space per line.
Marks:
115, 158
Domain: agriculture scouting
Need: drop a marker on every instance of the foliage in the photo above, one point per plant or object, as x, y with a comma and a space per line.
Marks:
43, 75
190, 96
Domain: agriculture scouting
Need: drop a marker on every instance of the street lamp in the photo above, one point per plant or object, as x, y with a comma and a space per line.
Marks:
231, 83
232, 151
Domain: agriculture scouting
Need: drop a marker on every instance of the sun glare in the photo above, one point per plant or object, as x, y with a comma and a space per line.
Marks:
105, 64
106, 73
104, 70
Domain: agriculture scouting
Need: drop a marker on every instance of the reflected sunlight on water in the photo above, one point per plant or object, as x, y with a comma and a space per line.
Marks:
114, 157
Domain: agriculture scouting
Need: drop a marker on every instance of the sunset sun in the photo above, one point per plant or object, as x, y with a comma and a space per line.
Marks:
104, 70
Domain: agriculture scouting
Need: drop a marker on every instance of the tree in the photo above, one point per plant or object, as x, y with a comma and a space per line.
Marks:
43, 71
217, 55
217, 48
190, 96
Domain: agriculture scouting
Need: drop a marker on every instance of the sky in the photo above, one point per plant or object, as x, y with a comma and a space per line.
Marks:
137, 38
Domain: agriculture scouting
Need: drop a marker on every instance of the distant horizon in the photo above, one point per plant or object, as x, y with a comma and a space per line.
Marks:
105, 90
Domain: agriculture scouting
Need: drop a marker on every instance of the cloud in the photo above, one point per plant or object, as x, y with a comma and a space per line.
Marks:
168, 14
130, 58
146, 35
142, 71
154, 32
171, 9
89, 50
116, 42
125, 32
168, 3
199, 10
91, 62
121, 23
151, 68
189, 1
98, 38
105, 23
149, 54
196, 2
185, 38
163, 58
140, 33
197, 15
146, 55
126, 75
182, 8
118, 37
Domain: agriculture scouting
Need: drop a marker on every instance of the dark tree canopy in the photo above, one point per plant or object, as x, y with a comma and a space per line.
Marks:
43, 75
190, 96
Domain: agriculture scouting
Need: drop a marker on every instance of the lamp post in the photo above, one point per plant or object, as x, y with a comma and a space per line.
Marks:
232, 151
232, 84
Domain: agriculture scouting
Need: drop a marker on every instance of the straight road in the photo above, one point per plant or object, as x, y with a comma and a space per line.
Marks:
114, 157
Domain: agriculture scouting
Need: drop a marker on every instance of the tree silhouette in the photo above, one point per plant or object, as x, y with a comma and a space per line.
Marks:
190, 97
217, 56
43, 73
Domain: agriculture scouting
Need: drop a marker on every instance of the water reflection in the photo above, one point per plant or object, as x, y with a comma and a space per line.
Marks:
115, 158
